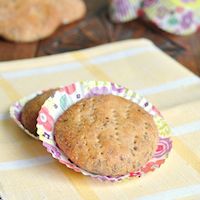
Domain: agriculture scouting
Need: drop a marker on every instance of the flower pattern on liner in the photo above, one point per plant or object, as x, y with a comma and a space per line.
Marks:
180, 17
45, 119
70, 89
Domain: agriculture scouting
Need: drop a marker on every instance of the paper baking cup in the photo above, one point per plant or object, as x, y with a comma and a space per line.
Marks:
16, 109
124, 10
181, 17
69, 95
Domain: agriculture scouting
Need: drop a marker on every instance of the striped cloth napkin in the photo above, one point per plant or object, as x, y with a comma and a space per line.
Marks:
28, 172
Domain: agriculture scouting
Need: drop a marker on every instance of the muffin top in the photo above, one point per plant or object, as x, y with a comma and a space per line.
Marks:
31, 110
107, 135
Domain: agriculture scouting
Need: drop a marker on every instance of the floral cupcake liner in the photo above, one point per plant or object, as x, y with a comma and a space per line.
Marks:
123, 11
69, 95
181, 17
174, 16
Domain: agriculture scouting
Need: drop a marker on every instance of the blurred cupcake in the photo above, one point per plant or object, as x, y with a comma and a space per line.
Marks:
25, 111
181, 17
124, 10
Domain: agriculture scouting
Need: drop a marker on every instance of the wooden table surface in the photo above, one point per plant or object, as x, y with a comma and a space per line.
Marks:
96, 29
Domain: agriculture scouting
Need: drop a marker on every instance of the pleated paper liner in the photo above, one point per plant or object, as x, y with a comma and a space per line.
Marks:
124, 11
180, 17
69, 95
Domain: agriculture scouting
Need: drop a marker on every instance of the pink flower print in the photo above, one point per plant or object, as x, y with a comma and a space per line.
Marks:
159, 162
179, 9
148, 3
45, 119
150, 166
138, 174
97, 91
164, 147
117, 88
155, 110
53, 150
162, 11
187, 20
188, 1
122, 6
70, 89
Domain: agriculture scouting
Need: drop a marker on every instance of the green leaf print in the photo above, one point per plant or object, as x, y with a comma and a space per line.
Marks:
172, 21
63, 102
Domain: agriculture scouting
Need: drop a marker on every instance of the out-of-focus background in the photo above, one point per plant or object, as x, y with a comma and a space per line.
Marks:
96, 28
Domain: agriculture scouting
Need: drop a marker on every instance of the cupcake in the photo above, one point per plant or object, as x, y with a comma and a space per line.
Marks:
104, 130
107, 135
31, 109
25, 111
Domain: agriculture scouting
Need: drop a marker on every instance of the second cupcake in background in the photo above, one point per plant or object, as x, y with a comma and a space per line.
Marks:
180, 17
32, 20
31, 110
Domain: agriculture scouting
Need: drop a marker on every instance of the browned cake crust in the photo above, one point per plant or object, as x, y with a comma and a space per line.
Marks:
107, 135
28, 20
31, 109
71, 10
31, 20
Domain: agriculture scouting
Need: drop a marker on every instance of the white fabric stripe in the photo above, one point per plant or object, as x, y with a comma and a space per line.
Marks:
4, 116
177, 131
39, 71
74, 65
122, 54
186, 128
170, 85
174, 193
19, 164
183, 129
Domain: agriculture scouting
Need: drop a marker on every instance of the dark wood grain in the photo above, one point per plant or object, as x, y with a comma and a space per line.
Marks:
96, 28
13, 51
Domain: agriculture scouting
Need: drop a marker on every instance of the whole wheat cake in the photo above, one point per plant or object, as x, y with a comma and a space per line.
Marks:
71, 10
28, 20
31, 20
107, 135
31, 110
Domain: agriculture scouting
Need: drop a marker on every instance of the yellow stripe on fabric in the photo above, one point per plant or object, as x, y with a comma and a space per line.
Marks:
97, 73
189, 156
180, 147
93, 69
79, 181
9, 89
